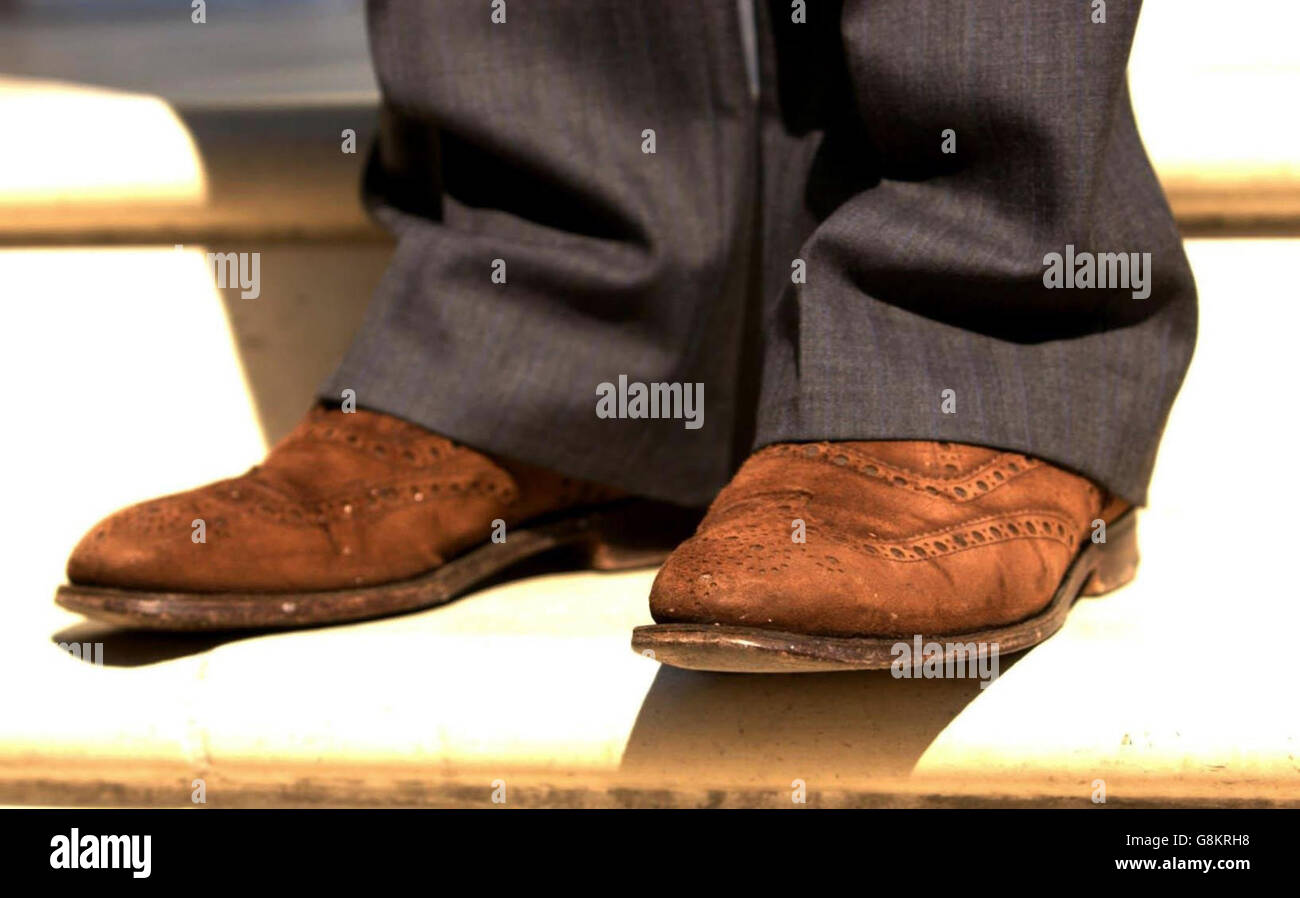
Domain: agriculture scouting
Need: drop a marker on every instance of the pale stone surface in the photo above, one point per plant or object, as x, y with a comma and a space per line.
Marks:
220, 129
1212, 89
120, 366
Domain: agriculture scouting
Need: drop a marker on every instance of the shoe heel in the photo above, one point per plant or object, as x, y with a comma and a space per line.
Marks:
1117, 561
639, 533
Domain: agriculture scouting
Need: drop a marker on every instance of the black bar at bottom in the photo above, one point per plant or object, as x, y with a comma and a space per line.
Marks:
655, 849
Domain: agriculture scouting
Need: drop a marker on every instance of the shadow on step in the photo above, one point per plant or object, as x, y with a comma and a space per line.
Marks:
313, 298
819, 728
136, 648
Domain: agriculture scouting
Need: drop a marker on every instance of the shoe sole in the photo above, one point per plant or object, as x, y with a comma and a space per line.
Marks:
1097, 569
620, 536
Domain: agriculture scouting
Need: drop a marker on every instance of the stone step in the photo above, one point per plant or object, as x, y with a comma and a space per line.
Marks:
152, 131
125, 380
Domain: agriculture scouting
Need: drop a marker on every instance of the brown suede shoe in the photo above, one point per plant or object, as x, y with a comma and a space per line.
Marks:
351, 516
900, 539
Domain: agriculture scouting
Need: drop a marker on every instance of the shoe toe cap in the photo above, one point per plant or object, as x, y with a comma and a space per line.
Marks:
726, 579
141, 547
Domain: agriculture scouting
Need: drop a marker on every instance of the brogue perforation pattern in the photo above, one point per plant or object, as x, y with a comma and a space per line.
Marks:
960, 487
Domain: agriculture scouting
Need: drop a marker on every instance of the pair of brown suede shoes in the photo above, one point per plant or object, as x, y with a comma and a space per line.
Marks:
816, 556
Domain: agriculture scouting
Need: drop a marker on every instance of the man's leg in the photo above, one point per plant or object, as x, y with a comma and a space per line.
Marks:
522, 150
947, 443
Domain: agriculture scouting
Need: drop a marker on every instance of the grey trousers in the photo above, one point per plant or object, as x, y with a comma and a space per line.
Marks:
845, 230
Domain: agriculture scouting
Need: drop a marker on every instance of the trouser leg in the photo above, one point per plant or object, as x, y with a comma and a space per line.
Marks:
518, 150
925, 272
